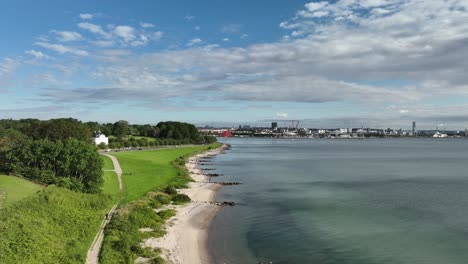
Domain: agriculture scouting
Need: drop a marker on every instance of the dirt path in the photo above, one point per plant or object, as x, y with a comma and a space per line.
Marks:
93, 252
117, 169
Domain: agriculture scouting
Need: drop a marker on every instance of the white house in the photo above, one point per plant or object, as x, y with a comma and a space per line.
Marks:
99, 138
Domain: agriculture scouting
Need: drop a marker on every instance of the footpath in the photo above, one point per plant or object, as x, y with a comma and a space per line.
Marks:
93, 253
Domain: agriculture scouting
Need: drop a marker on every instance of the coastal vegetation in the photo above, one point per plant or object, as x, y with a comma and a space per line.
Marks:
150, 179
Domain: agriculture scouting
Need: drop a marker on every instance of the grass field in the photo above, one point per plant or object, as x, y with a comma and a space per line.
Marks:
13, 189
111, 184
143, 171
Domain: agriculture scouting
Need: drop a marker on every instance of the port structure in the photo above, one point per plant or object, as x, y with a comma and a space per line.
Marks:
292, 123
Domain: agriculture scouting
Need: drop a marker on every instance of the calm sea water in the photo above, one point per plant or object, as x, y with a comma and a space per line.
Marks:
343, 201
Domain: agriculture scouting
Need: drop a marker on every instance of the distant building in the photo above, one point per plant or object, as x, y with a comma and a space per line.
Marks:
274, 125
99, 138
226, 134
414, 129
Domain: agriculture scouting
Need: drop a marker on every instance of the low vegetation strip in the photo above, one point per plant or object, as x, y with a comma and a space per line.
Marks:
144, 171
55, 225
13, 189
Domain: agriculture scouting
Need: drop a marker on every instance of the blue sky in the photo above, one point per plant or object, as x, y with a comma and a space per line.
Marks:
381, 63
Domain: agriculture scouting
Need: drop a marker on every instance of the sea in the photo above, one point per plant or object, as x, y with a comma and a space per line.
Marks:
346, 201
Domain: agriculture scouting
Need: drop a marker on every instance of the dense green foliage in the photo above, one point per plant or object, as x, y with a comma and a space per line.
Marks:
146, 170
55, 225
122, 238
13, 189
70, 163
54, 129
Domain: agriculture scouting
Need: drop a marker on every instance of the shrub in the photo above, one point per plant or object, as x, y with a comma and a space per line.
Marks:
181, 198
170, 190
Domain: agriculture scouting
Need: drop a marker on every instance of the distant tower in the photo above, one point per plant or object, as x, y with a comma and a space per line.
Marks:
414, 128
274, 125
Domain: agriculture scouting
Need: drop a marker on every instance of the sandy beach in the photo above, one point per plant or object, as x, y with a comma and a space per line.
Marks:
187, 232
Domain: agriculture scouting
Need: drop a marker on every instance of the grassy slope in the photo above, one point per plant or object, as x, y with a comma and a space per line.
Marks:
13, 189
143, 171
54, 226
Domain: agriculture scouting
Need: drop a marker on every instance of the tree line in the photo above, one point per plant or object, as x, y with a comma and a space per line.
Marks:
61, 151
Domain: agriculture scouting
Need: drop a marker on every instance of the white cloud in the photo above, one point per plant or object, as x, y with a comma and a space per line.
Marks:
93, 28
103, 43
244, 36
127, 33
146, 25
86, 16
194, 41
37, 54
371, 52
314, 6
231, 29
281, 115
67, 35
7, 67
156, 36
225, 39
189, 17
59, 48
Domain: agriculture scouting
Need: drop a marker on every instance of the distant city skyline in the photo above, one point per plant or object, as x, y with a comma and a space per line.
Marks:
345, 63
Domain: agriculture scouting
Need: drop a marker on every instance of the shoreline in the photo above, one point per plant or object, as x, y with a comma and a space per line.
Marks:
186, 240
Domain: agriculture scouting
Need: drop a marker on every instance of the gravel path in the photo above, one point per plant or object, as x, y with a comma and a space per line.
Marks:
93, 252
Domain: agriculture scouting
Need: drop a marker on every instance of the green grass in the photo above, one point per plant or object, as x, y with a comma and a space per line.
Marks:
144, 171
107, 163
13, 189
111, 183
55, 225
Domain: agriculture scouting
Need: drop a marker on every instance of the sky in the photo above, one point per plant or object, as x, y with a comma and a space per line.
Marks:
340, 63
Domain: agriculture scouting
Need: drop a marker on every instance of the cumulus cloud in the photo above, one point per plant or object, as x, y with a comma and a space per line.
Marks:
7, 67
61, 49
156, 36
189, 17
127, 33
231, 28
194, 41
146, 25
371, 53
86, 16
93, 28
281, 115
67, 35
37, 54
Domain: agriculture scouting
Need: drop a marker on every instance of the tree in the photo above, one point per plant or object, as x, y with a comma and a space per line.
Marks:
120, 129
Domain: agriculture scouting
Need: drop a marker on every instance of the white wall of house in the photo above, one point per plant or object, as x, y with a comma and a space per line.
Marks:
101, 139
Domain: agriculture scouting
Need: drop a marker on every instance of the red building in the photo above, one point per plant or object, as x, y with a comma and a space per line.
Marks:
226, 134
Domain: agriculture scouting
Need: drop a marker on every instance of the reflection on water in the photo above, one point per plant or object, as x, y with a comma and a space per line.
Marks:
343, 201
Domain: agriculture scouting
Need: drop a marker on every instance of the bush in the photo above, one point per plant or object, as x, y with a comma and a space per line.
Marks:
166, 214
181, 198
170, 190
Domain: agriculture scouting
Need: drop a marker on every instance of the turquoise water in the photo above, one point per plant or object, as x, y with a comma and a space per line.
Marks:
343, 201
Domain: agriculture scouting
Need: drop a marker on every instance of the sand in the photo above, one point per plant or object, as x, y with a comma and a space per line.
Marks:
187, 232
